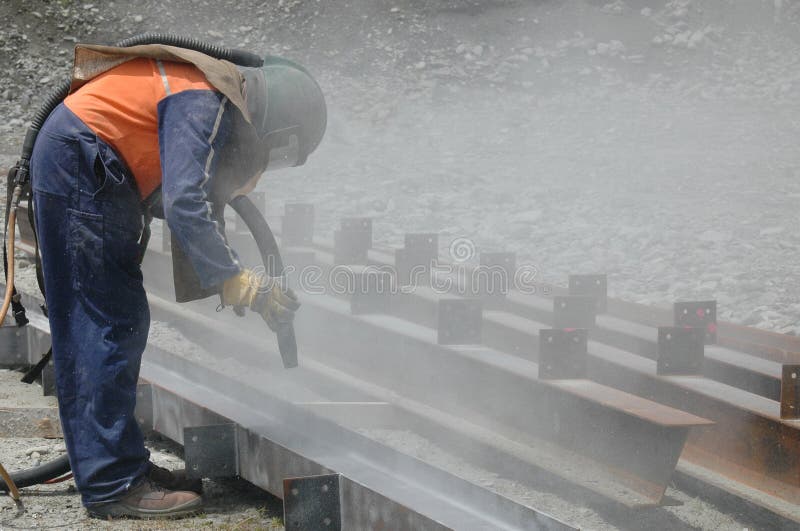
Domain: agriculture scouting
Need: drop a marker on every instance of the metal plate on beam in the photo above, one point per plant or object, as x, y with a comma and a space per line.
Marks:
166, 239
372, 291
144, 406
790, 392
460, 321
493, 277
563, 353
210, 451
13, 347
591, 286
414, 261
680, 350
312, 503
48, 380
424, 245
352, 241
698, 314
574, 311
297, 224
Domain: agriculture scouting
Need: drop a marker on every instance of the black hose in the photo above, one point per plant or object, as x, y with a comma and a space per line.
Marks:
33, 476
271, 257
234, 55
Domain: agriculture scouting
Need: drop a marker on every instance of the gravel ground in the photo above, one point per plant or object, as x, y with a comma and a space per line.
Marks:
229, 504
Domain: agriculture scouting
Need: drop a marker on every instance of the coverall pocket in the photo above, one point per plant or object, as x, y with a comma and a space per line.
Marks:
85, 247
54, 164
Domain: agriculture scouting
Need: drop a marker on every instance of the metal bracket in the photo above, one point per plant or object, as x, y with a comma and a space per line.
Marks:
312, 503
259, 199
352, 241
210, 451
698, 314
680, 350
300, 268
297, 224
144, 406
574, 311
494, 275
563, 354
48, 379
372, 291
166, 238
460, 321
14, 346
790, 392
413, 262
591, 286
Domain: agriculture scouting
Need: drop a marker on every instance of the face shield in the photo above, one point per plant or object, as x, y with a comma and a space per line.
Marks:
282, 149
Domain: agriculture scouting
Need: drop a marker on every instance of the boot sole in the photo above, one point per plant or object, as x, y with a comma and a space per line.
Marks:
118, 510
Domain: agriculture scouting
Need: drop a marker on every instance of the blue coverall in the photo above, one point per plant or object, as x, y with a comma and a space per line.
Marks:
89, 221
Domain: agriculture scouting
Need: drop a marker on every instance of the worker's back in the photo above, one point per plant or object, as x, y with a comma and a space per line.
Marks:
121, 107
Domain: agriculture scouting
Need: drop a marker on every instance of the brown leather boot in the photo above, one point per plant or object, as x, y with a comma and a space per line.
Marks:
174, 479
148, 500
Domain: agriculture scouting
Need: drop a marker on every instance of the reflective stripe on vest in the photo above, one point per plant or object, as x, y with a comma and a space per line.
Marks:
121, 107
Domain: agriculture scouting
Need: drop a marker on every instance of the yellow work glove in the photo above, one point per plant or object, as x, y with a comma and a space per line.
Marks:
264, 295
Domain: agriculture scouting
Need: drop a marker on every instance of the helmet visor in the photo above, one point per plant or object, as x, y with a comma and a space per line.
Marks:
282, 149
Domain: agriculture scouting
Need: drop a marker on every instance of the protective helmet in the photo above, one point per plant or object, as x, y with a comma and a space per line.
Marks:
287, 109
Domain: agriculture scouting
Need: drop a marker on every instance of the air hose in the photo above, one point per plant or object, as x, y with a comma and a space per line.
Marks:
271, 257
19, 180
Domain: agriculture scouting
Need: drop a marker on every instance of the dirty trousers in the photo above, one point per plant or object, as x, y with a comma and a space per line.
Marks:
89, 220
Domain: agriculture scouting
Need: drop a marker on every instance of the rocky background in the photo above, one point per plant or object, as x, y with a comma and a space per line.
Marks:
652, 140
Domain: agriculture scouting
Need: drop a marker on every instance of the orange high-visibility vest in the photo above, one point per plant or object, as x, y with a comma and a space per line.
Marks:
121, 107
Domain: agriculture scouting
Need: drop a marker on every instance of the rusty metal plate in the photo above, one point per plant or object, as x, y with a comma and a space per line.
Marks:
698, 314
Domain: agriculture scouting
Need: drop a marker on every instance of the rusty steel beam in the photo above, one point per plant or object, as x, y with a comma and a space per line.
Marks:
716, 395
276, 436
741, 370
748, 372
772, 346
420, 307
590, 422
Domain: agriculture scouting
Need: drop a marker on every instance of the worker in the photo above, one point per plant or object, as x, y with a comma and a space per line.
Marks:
164, 131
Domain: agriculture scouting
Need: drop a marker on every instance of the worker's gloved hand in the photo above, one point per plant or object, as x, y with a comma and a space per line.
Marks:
262, 294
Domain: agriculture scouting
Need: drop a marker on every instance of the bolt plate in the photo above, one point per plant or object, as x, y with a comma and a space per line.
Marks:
297, 224
591, 286
210, 451
563, 353
574, 311
698, 314
460, 321
680, 350
312, 503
